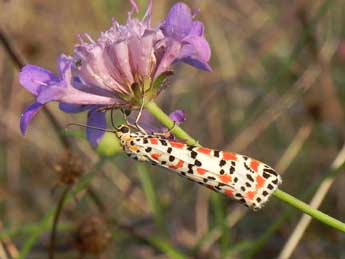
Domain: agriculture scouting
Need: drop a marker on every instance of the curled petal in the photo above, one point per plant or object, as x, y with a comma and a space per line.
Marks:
197, 63
28, 115
33, 78
95, 119
198, 48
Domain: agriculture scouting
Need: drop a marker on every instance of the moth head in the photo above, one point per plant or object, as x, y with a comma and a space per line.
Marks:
122, 130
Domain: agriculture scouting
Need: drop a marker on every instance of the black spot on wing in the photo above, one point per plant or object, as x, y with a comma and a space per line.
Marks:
222, 162
163, 142
197, 162
190, 148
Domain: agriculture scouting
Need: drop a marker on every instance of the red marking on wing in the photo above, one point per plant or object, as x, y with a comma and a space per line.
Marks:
260, 181
153, 141
155, 156
250, 195
177, 166
201, 171
229, 193
229, 156
225, 178
177, 144
254, 164
205, 151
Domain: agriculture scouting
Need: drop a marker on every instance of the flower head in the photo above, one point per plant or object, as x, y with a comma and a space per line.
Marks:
126, 65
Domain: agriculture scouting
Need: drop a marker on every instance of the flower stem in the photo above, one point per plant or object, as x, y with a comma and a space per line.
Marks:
316, 214
155, 110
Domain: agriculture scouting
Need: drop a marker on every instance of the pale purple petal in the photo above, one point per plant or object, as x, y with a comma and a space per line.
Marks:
116, 58
28, 115
134, 6
178, 116
93, 69
148, 14
51, 93
95, 119
179, 22
141, 51
64, 66
33, 78
74, 96
172, 52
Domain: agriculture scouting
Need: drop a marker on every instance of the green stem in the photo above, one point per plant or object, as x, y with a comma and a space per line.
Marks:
154, 109
316, 214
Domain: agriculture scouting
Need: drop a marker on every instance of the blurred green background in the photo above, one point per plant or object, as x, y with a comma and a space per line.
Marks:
276, 93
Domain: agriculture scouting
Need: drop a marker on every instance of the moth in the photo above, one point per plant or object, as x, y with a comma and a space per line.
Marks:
237, 176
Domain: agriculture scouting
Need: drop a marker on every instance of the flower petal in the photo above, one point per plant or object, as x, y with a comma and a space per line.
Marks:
178, 22
197, 47
172, 52
141, 51
51, 93
64, 65
95, 119
28, 115
148, 14
196, 52
197, 29
197, 64
93, 71
73, 108
33, 78
134, 6
116, 60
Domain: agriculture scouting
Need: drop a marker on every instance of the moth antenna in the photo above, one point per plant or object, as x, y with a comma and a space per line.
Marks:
90, 127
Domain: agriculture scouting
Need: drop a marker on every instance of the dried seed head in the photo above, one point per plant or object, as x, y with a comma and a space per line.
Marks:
93, 235
69, 168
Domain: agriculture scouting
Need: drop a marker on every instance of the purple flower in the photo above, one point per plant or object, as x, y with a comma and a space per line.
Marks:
126, 65
186, 35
